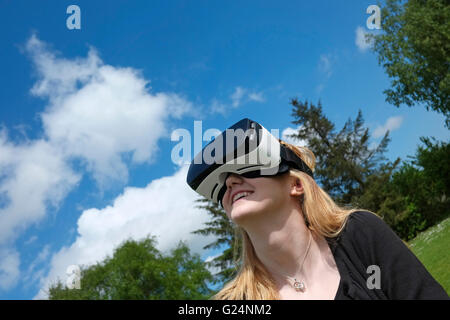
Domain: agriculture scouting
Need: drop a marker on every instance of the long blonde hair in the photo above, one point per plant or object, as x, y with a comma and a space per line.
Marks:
322, 216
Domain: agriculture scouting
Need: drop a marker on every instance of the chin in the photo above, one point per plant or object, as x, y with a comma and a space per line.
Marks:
244, 210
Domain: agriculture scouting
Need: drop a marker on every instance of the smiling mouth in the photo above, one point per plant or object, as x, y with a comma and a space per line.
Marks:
240, 195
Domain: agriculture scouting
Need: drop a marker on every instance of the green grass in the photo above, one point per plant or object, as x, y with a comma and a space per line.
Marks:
432, 247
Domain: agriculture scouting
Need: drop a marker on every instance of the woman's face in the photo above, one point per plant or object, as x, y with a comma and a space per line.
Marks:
247, 197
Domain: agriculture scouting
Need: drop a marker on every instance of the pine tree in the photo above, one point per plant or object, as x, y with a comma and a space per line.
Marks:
344, 159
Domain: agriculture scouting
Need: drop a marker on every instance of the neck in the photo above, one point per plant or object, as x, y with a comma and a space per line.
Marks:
281, 242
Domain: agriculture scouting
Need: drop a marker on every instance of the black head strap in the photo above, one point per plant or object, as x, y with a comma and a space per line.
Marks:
294, 161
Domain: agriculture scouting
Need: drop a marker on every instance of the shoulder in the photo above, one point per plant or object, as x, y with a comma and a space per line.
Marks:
368, 235
366, 224
367, 240
363, 217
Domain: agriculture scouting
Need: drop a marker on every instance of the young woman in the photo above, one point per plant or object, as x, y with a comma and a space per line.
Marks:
298, 244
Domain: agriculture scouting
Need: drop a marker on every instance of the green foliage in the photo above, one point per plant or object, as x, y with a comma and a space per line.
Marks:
414, 196
344, 160
424, 184
138, 271
414, 49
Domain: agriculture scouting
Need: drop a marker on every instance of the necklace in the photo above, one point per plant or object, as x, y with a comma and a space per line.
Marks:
300, 285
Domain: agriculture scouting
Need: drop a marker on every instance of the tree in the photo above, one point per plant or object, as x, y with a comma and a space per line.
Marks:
344, 160
414, 49
423, 184
137, 270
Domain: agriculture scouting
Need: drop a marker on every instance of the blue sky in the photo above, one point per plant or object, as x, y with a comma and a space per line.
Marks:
86, 115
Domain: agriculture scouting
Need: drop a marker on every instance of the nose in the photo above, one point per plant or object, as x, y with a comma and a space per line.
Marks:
232, 179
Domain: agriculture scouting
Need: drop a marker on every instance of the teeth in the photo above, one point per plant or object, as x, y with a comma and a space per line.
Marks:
240, 195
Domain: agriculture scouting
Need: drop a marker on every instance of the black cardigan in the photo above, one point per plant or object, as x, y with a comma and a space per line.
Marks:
367, 240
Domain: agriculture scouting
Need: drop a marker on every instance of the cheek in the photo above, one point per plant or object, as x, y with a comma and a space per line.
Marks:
268, 195
271, 190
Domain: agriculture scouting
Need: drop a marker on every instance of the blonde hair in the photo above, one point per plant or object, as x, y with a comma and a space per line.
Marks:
322, 216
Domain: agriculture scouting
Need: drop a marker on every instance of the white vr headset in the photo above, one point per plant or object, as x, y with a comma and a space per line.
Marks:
246, 149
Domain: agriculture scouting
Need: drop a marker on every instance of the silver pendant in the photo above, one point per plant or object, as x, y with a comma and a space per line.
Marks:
299, 285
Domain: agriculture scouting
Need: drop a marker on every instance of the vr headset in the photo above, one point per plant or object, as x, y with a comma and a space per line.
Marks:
246, 149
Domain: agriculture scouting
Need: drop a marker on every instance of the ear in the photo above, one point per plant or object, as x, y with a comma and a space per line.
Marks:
296, 187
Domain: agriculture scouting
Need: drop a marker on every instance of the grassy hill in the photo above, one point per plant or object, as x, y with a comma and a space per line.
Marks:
432, 247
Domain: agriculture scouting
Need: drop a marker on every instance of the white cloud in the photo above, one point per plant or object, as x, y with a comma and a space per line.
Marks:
34, 176
164, 208
391, 124
99, 112
325, 67
320, 87
325, 64
360, 39
34, 273
218, 107
285, 137
237, 96
96, 113
256, 96
31, 240
9, 267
